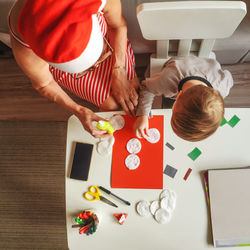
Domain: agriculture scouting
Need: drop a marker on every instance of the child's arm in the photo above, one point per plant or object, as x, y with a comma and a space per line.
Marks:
146, 99
141, 127
144, 107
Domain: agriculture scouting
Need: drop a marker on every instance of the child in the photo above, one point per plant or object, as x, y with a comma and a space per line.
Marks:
198, 85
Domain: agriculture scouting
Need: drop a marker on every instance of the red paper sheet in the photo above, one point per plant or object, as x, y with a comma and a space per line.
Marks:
149, 174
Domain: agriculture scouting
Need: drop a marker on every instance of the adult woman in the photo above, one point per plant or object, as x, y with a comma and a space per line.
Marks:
80, 45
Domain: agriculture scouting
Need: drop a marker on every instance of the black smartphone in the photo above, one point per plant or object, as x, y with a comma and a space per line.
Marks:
81, 161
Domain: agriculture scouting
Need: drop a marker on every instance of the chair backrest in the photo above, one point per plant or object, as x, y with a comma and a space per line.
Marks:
186, 21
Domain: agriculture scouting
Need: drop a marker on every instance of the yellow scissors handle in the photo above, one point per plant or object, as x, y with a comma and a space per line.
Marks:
93, 194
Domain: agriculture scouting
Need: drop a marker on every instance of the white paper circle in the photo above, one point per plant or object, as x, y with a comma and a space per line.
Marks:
165, 193
164, 204
154, 135
132, 161
117, 122
105, 145
142, 208
133, 146
168, 193
172, 204
154, 206
173, 194
162, 216
168, 204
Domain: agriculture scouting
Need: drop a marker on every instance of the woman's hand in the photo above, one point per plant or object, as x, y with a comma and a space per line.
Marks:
124, 91
87, 117
141, 127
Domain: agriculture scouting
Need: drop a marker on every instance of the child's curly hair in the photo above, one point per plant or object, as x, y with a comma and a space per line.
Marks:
197, 113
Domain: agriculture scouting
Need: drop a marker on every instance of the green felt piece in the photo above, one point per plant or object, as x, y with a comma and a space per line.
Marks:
224, 121
194, 154
233, 121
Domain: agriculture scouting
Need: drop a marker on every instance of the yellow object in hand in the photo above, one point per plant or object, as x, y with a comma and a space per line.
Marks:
103, 125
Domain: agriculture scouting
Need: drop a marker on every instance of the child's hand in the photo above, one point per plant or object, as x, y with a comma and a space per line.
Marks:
141, 127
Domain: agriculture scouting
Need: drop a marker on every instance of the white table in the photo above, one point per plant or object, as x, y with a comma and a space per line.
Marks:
190, 226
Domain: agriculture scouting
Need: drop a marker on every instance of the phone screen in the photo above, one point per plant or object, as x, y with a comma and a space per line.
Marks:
81, 161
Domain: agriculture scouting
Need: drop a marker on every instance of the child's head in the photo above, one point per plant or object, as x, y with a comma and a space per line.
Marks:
197, 113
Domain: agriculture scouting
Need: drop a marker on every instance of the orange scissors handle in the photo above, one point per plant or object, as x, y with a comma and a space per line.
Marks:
93, 194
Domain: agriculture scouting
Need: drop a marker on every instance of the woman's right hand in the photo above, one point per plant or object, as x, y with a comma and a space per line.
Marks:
141, 127
87, 117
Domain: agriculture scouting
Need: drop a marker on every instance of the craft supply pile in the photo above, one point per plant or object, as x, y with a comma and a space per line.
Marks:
87, 222
137, 163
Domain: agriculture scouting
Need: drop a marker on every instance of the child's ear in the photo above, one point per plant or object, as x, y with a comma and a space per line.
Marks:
179, 94
176, 100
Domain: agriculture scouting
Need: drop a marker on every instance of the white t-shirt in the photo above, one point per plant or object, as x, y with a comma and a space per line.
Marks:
176, 72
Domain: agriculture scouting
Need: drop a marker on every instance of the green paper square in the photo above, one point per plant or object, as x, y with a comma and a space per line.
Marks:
224, 121
233, 121
194, 154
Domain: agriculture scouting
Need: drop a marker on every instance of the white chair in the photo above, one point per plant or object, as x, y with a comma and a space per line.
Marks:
187, 21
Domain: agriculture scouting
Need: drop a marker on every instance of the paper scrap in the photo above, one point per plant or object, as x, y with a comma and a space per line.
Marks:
187, 174
170, 171
233, 121
194, 154
170, 146
224, 121
121, 217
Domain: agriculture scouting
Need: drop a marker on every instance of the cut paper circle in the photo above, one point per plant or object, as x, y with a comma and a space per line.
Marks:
154, 135
105, 145
168, 204
165, 193
132, 161
173, 194
133, 146
142, 208
154, 206
117, 122
168, 193
162, 216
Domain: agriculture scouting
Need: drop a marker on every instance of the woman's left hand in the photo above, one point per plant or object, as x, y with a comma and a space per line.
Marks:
124, 91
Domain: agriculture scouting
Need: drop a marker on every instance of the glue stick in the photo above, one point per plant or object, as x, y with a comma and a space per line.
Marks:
104, 125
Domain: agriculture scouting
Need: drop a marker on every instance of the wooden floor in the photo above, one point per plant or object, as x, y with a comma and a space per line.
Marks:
32, 158
32, 202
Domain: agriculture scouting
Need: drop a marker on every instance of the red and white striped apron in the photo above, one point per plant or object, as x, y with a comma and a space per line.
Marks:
95, 86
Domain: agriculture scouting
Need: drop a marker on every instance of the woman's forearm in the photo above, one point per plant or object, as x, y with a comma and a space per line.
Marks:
55, 93
117, 30
118, 40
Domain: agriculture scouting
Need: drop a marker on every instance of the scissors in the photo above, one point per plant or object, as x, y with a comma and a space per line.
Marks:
94, 194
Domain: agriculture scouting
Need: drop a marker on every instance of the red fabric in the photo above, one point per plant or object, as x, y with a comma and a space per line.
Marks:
95, 86
149, 174
57, 31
